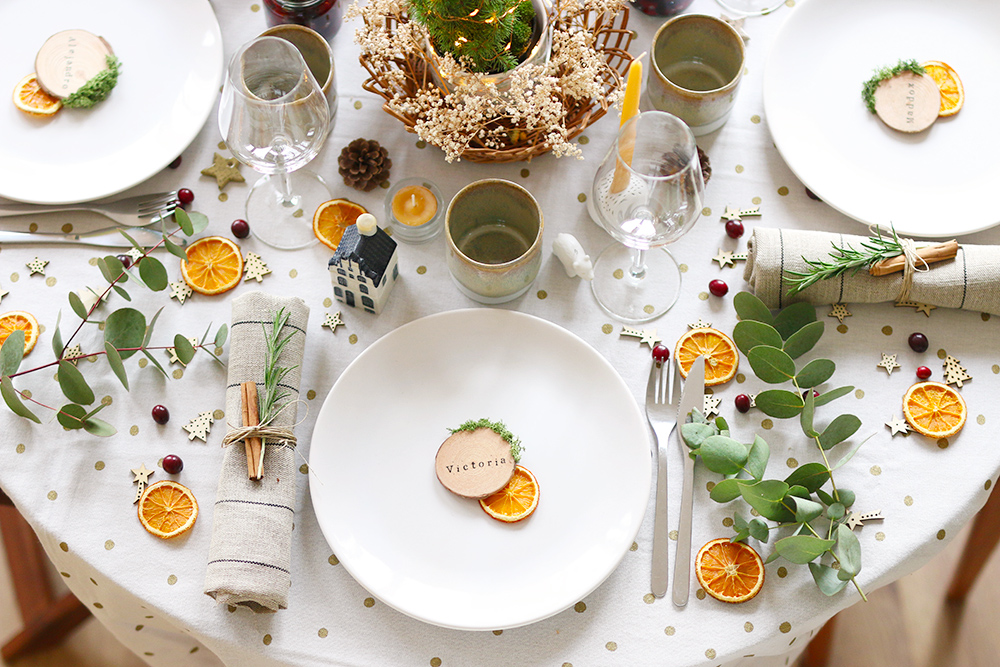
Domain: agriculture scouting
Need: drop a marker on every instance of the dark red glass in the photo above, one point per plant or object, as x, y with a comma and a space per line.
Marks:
323, 16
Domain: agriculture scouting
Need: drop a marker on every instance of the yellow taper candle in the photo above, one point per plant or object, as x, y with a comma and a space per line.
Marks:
630, 107
414, 205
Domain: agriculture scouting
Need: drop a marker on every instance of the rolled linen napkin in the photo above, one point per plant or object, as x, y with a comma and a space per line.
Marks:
250, 556
971, 281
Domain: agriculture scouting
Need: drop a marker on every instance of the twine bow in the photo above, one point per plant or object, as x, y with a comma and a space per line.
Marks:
909, 267
271, 433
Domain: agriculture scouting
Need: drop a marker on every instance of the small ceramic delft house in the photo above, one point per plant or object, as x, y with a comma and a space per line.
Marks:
364, 268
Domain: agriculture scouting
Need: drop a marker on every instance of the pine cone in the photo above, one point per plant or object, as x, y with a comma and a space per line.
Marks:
364, 164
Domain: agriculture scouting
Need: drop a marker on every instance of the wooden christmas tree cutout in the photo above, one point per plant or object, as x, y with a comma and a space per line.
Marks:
954, 372
254, 267
72, 353
700, 324
710, 407
645, 335
200, 426
180, 290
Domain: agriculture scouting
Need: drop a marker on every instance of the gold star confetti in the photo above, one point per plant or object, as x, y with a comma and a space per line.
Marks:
333, 321
644, 335
888, 363
839, 311
180, 290
37, 266
711, 405
254, 267
897, 425
731, 213
700, 324
72, 353
224, 171
724, 258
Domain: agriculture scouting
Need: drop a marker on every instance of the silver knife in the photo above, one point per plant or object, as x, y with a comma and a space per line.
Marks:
144, 237
693, 397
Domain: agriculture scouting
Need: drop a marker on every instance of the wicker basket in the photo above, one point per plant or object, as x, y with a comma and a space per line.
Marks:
612, 39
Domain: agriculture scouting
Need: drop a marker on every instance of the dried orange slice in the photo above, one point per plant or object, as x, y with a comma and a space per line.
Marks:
19, 319
516, 501
729, 571
167, 509
934, 409
952, 92
214, 265
332, 218
31, 99
721, 357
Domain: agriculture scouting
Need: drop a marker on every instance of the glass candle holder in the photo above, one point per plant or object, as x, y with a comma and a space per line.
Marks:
414, 210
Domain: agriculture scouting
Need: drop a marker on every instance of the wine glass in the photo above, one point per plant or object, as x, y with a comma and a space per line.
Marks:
647, 193
274, 117
751, 7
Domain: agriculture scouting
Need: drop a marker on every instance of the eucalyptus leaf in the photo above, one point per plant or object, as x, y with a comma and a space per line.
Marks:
793, 318
720, 423
100, 406
12, 352
741, 535
809, 475
220, 335
806, 510
98, 427
121, 292
779, 403
112, 269
845, 497
695, 434
115, 361
135, 244
148, 336
815, 373
725, 491
771, 364
848, 553
802, 549
825, 497
750, 307
804, 339
798, 491
748, 334
183, 349
124, 328
76, 303
57, 341
835, 512
832, 395
757, 459
182, 218
840, 429
71, 416
155, 363
771, 557
199, 221
806, 418
153, 273
74, 386
739, 523
174, 249
766, 497
849, 455
13, 401
723, 455
758, 530
826, 579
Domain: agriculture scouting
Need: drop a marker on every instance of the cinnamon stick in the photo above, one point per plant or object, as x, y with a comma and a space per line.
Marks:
251, 417
930, 254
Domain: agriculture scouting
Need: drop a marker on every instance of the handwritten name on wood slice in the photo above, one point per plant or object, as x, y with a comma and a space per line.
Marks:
908, 102
474, 464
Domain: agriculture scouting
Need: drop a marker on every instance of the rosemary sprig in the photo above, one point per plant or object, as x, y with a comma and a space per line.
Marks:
497, 427
845, 258
883, 73
274, 399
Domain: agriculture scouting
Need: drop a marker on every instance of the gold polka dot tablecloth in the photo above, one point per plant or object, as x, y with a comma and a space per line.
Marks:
76, 489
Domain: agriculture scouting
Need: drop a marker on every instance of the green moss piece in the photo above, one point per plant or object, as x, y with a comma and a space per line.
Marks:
883, 73
497, 427
97, 89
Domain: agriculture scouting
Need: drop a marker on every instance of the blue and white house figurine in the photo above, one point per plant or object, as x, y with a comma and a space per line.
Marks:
364, 268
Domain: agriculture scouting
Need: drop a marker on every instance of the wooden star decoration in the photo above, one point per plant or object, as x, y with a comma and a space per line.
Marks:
924, 308
37, 266
897, 426
135, 254
180, 290
724, 258
73, 353
200, 426
888, 363
333, 321
254, 267
142, 477
224, 171
644, 335
737, 214
839, 311
753, 400
700, 324
710, 406
740, 256
88, 297
3, 293
854, 519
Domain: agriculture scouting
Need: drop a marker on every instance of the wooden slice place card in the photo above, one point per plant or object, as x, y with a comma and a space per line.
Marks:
474, 464
69, 59
908, 102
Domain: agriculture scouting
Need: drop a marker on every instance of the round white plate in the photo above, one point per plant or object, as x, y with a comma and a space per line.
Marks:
438, 557
937, 183
171, 55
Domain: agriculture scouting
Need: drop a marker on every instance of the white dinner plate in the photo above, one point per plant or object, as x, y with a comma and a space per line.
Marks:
171, 56
439, 557
936, 183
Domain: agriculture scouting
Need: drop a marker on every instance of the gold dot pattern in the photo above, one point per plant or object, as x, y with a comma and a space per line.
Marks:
727, 522
879, 536
767, 424
219, 414
709, 486
700, 593
981, 419
611, 646
435, 662
634, 547
52, 495
942, 353
859, 394
618, 274
109, 545
421, 143
525, 173
498, 632
327, 302
542, 294
139, 627
107, 400
178, 373
311, 394
782, 572
92, 261
941, 534
996, 369
323, 632
792, 463
99, 465
783, 191
304, 468
352, 339
51, 282
357, 104
223, 196
648, 598
875, 470
842, 328
20, 448
333, 560
254, 8
887, 330
908, 501
134, 430
755, 119
942, 443
584, 140
710, 653
171, 580
33, 227
672, 535
98, 605
987, 485
985, 316
267, 640
669, 631
748, 626
683, 268
785, 627
648, 309
581, 197
14, 277
293, 273
756, 201
369, 602
706, 211
703, 296
143, 363
64, 546
580, 607
739, 169
607, 328
740, 378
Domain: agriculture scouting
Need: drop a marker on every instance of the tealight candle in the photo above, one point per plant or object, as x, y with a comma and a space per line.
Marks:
413, 210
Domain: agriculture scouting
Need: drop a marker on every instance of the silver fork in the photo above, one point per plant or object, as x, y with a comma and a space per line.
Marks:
663, 393
137, 211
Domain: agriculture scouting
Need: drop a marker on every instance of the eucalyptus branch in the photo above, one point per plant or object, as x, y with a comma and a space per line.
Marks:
844, 259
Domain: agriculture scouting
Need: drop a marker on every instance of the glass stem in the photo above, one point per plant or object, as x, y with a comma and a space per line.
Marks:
638, 268
283, 181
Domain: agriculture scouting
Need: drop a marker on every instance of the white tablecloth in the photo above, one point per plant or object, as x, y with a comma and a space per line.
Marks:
75, 489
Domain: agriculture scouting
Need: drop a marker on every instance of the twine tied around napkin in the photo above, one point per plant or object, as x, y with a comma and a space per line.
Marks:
910, 258
249, 560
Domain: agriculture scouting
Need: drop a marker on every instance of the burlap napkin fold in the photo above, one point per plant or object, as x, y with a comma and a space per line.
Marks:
971, 281
250, 556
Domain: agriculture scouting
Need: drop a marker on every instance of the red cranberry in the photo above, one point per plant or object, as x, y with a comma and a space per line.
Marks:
734, 228
661, 352
812, 195
126, 260
176, 163
160, 414
185, 196
742, 403
815, 394
172, 464
240, 229
923, 372
918, 342
718, 288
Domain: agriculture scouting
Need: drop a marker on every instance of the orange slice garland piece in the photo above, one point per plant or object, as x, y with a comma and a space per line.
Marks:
332, 218
167, 509
729, 571
32, 100
19, 320
214, 265
516, 501
934, 409
952, 91
718, 349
